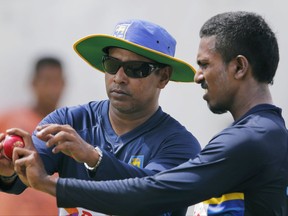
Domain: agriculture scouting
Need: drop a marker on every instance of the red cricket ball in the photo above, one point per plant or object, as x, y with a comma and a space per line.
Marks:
9, 143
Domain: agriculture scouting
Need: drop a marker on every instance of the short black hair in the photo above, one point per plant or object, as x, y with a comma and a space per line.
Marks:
247, 34
47, 61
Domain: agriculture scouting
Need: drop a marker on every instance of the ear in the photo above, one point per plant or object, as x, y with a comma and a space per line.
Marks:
164, 74
241, 67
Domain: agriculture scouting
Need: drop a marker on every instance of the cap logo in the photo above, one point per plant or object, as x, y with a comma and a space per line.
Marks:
120, 30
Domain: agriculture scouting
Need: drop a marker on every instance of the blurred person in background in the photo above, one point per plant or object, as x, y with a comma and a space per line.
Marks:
47, 83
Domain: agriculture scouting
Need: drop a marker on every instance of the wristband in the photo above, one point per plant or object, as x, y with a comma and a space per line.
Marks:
98, 162
8, 178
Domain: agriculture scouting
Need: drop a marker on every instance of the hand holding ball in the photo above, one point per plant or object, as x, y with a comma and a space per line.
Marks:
9, 143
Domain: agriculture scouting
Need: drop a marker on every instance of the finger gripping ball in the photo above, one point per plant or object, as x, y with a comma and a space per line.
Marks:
10, 142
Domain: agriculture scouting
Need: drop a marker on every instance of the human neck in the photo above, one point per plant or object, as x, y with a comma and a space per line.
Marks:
125, 122
43, 110
259, 94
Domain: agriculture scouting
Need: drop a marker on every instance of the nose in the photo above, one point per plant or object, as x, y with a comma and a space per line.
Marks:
120, 76
198, 77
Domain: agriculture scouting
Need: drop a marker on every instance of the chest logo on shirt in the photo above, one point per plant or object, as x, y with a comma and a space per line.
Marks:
137, 160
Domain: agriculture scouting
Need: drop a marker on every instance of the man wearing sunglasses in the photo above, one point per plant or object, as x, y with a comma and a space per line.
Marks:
128, 135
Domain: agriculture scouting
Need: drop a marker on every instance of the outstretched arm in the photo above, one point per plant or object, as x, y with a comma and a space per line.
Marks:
213, 171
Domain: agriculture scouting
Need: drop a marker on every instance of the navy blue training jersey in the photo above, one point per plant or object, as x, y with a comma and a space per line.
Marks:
249, 157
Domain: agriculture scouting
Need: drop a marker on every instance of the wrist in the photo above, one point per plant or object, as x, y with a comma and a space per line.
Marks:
8, 179
95, 165
48, 185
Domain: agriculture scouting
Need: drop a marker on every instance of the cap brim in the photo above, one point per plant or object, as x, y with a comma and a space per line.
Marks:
91, 49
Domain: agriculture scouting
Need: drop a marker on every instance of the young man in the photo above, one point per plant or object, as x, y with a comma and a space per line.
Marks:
238, 57
128, 135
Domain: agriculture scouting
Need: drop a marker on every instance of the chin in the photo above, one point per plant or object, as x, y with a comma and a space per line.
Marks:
123, 108
217, 109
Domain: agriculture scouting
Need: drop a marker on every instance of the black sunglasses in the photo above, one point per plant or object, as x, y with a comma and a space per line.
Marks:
133, 69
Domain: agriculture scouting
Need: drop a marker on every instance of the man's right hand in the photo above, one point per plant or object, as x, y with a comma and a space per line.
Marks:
64, 138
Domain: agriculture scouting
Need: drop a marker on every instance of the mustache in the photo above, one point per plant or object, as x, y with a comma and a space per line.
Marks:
119, 90
204, 85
